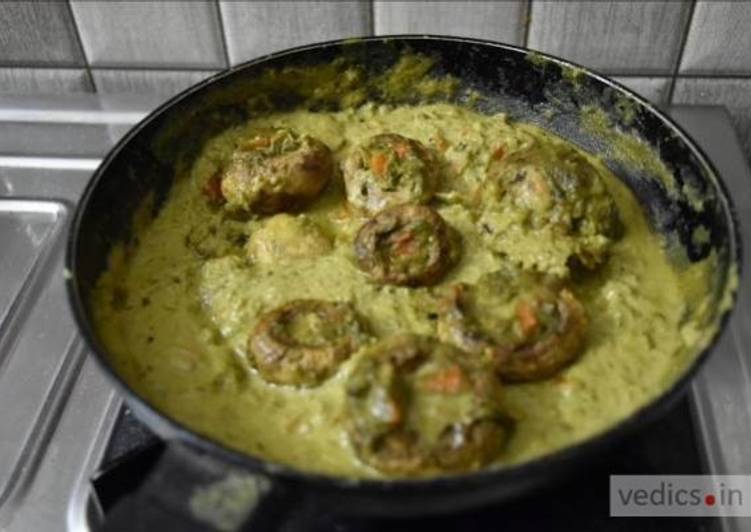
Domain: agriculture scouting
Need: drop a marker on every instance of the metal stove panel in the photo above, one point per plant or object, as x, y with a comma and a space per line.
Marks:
38, 353
722, 390
57, 407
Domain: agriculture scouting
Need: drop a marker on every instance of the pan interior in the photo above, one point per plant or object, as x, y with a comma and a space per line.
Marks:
667, 195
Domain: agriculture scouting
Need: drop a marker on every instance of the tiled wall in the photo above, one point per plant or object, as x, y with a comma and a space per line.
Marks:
683, 52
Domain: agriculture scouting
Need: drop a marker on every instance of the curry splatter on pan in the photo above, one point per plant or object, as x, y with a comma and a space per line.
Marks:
676, 185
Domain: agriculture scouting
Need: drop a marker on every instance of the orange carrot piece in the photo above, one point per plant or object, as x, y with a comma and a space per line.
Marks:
402, 150
447, 381
379, 163
525, 313
398, 416
212, 189
442, 144
498, 153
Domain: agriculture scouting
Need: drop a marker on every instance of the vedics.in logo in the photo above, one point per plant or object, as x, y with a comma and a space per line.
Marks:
680, 495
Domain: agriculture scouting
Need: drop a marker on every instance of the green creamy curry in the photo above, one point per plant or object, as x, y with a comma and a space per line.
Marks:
542, 308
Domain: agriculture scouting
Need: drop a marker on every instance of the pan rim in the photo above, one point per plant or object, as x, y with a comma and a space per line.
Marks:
587, 448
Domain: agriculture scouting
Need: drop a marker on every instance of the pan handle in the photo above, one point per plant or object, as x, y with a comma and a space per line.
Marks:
191, 491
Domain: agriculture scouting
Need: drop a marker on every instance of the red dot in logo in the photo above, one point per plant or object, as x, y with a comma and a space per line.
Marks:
709, 500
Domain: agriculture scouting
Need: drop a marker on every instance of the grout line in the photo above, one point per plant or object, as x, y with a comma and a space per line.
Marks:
172, 68
166, 68
527, 23
151, 68
637, 76
223, 35
715, 75
681, 50
708, 75
32, 66
135, 68
77, 33
103, 68
42, 64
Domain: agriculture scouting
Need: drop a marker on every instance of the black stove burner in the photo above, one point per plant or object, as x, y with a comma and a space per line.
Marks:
578, 504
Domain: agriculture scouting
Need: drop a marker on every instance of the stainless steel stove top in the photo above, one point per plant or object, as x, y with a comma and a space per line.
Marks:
58, 411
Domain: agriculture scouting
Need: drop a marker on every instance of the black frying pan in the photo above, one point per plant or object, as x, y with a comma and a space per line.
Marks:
194, 472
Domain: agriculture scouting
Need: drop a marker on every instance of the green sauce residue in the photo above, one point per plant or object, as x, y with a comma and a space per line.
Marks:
537, 59
175, 311
409, 79
340, 84
626, 149
573, 74
626, 109
226, 504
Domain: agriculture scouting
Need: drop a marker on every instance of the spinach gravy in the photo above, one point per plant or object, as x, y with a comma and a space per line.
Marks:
396, 291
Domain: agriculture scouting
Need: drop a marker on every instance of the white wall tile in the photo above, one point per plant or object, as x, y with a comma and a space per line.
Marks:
735, 94
43, 80
257, 28
653, 89
615, 37
500, 21
38, 33
719, 39
162, 82
168, 34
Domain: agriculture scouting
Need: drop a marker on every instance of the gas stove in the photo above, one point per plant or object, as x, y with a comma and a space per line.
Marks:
69, 448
